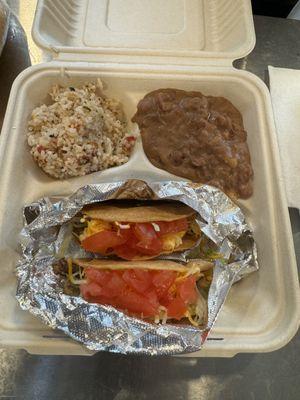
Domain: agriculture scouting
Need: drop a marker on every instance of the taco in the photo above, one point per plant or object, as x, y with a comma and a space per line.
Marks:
156, 290
138, 232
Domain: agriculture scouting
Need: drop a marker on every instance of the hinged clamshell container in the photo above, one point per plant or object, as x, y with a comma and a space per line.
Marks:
136, 46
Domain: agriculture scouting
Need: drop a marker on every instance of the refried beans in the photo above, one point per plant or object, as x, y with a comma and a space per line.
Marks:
198, 137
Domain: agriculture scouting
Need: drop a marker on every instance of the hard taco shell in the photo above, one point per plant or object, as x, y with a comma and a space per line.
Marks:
145, 213
148, 213
158, 265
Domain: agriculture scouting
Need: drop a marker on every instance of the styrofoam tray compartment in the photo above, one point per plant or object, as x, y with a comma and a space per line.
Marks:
260, 313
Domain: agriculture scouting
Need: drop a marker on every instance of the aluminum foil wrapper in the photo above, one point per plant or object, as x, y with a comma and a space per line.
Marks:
98, 327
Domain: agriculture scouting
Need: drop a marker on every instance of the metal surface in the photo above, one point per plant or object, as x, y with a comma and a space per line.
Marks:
107, 376
277, 44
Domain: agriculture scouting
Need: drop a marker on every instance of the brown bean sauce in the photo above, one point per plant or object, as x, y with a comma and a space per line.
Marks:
198, 137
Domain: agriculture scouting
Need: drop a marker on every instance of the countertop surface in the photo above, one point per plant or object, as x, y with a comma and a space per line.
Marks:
106, 376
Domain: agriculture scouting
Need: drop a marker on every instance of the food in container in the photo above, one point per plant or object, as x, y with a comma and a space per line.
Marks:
80, 132
138, 231
198, 137
156, 290
110, 304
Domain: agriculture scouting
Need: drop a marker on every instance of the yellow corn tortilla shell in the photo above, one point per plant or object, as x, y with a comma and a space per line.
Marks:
158, 265
148, 213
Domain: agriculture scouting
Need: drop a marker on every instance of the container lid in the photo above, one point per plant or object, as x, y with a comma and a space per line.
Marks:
142, 31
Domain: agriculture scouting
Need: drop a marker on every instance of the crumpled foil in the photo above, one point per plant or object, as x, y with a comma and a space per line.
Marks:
100, 327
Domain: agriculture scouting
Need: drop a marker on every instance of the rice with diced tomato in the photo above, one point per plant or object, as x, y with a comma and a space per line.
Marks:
80, 132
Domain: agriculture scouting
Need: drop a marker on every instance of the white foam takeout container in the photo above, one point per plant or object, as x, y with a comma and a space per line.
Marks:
135, 47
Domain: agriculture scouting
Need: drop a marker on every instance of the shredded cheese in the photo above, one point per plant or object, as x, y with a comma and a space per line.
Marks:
171, 241
71, 274
193, 319
164, 315
191, 271
94, 226
161, 316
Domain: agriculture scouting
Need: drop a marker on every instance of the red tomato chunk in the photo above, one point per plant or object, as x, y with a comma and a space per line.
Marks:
140, 292
102, 241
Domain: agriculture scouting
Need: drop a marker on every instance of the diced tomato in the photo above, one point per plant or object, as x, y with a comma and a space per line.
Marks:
152, 249
130, 138
99, 276
84, 290
40, 148
143, 275
126, 252
116, 285
125, 233
136, 303
140, 292
103, 283
92, 289
176, 308
187, 290
139, 244
163, 280
172, 226
131, 239
102, 241
151, 296
139, 283
167, 298
145, 232
149, 243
